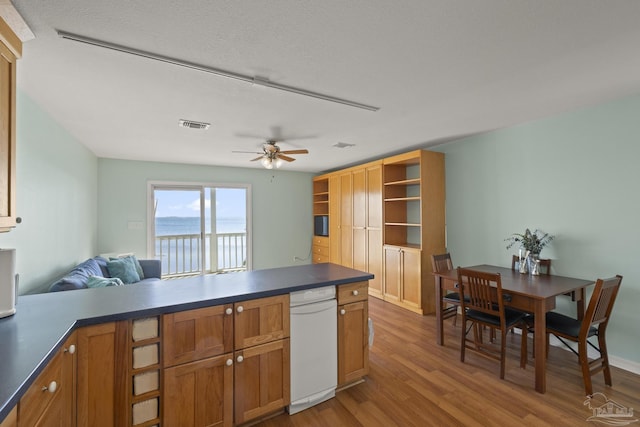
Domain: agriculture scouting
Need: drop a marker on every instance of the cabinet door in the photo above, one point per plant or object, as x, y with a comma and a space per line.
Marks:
199, 394
262, 380
10, 48
411, 294
261, 320
49, 402
197, 334
392, 271
359, 227
12, 418
353, 342
346, 220
374, 228
335, 251
98, 375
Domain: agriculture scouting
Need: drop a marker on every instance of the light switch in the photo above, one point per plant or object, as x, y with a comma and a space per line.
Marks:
135, 225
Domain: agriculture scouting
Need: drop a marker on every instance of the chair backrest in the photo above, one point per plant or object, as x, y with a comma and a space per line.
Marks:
441, 262
545, 265
601, 304
482, 291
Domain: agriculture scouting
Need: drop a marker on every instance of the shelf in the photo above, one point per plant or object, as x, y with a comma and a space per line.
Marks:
402, 224
322, 193
403, 246
415, 181
403, 199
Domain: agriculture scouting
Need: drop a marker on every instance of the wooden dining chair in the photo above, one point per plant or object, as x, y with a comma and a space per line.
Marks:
482, 304
594, 323
451, 300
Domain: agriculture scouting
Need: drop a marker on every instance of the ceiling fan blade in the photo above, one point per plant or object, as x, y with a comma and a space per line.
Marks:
257, 158
285, 158
295, 152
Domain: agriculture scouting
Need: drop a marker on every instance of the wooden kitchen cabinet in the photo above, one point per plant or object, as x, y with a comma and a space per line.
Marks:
197, 334
199, 394
50, 401
367, 223
353, 332
198, 360
100, 373
11, 419
261, 321
320, 249
402, 273
262, 380
262, 363
10, 51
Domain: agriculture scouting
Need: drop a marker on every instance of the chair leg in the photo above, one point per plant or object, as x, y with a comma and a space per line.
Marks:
606, 370
584, 364
463, 344
503, 350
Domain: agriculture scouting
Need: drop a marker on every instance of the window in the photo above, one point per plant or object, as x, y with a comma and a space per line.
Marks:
199, 228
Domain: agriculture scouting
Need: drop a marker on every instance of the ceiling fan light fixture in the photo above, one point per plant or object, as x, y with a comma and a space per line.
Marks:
278, 162
266, 162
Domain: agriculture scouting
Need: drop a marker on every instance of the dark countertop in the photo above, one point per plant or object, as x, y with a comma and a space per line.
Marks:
30, 338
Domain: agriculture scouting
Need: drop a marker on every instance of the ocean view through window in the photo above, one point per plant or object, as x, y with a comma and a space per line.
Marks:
200, 229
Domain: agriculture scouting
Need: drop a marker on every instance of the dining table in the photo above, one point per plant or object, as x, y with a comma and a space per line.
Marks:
535, 294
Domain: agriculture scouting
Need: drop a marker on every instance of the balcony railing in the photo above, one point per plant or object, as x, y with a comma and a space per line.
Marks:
181, 253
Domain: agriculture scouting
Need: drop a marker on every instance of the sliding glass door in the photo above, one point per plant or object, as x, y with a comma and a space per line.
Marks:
199, 229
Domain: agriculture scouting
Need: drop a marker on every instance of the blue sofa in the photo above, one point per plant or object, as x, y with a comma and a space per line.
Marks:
92, 270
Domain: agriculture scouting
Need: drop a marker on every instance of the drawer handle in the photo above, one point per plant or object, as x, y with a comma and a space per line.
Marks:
229, 362
228, 311
355, 293
240, 309
240, 359
71, 349
343, 311
53, 386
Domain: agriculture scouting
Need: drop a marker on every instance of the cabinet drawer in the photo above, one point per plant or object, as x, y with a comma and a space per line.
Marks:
317, 259
320, 241
42, 392
353, 292
320, 250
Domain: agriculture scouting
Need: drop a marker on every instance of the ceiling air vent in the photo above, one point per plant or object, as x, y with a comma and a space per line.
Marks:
193, 124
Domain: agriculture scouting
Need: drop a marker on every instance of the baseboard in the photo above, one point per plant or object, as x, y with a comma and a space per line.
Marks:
618, 362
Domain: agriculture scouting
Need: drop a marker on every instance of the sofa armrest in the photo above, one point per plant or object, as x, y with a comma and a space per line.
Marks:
151, 268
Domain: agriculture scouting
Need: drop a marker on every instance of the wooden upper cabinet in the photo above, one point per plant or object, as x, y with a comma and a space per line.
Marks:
10, 51
196, 334
261, 320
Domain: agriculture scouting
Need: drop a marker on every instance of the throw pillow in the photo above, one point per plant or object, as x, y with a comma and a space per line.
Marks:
124, 270
135, 262
101, 282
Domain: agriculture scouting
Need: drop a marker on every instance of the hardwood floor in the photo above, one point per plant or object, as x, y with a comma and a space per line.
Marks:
414, 382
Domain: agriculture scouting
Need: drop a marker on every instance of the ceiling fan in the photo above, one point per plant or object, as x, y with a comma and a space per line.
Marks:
272, 155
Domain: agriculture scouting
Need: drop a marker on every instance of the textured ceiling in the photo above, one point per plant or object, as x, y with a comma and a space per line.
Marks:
438, 70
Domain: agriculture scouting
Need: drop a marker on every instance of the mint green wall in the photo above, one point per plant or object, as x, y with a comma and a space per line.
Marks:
56, 199
575, 176
281, 206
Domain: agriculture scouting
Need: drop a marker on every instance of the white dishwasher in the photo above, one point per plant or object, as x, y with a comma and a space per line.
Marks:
314, 347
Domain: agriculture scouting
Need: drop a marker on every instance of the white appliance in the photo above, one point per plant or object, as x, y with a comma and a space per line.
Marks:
314, 347
8, 282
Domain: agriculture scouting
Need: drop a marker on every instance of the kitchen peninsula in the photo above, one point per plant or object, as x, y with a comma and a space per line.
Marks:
154, 323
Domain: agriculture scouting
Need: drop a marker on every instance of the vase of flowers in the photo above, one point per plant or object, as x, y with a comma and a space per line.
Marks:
532, 244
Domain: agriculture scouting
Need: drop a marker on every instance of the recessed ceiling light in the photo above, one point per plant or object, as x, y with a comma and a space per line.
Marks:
191, 124
343, 145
